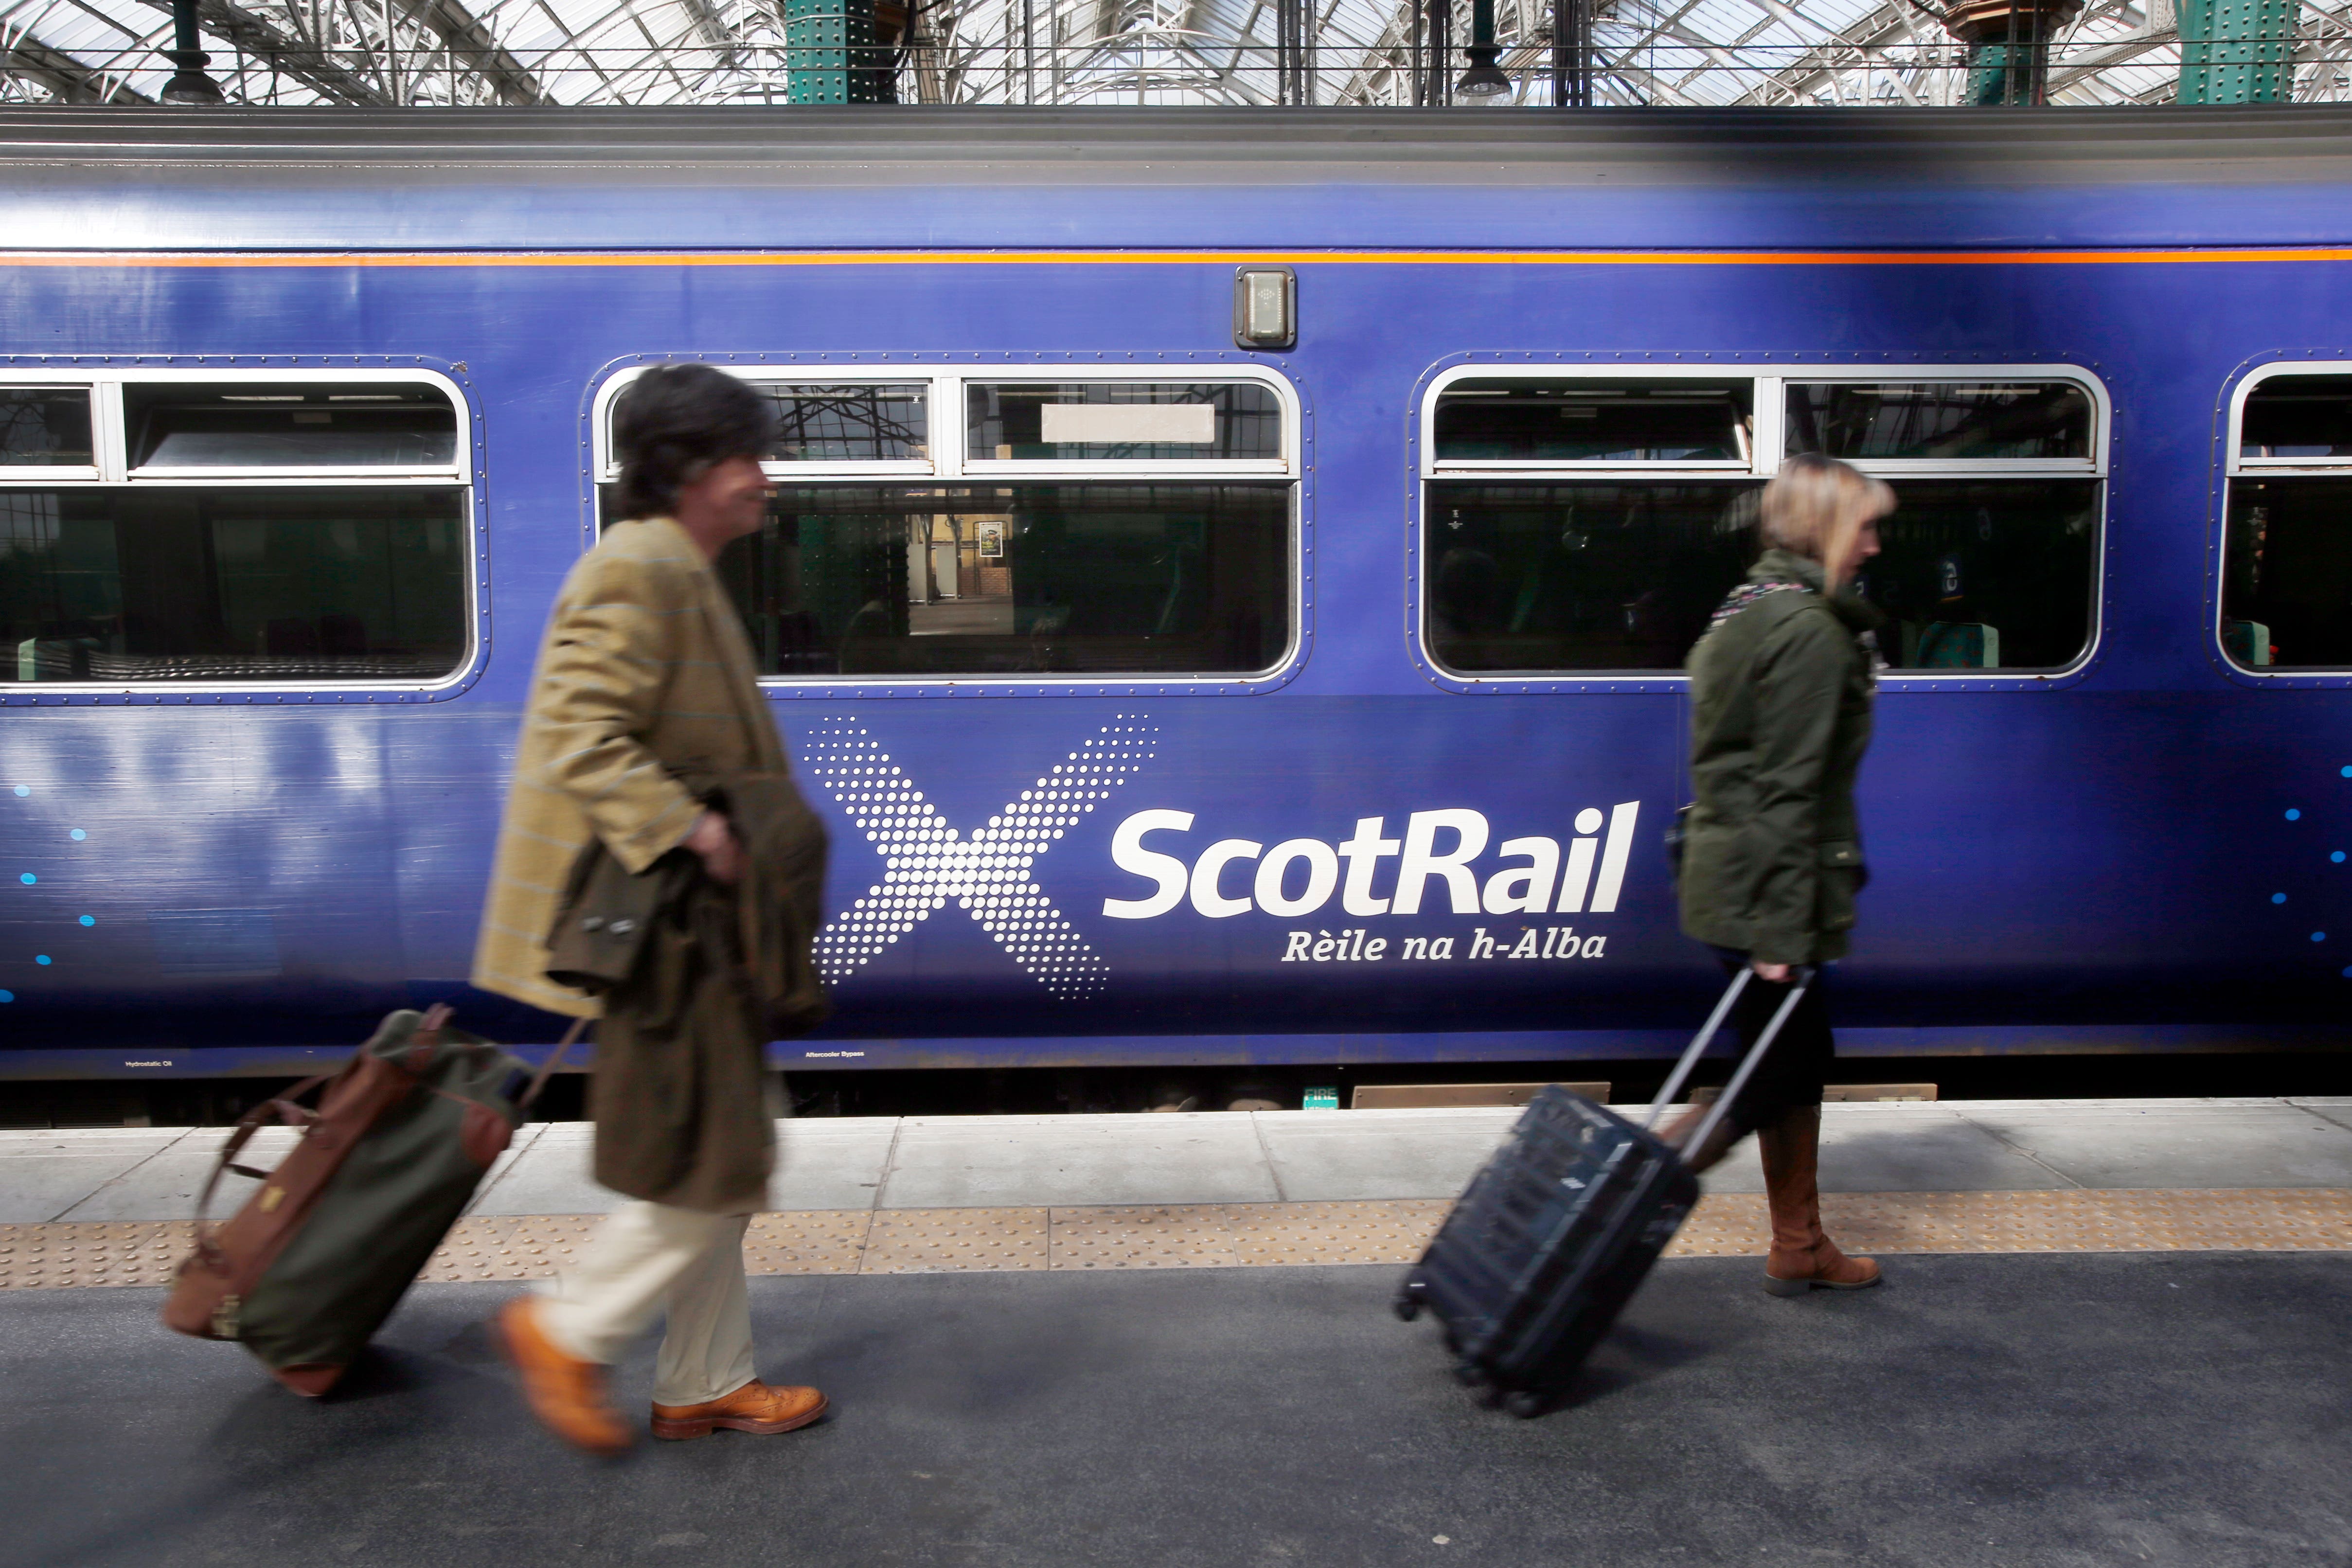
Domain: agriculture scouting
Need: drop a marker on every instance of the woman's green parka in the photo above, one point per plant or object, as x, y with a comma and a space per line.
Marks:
1780, 699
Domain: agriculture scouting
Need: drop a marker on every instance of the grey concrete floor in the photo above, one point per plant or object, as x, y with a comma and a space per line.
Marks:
964, 1161
2027, 1412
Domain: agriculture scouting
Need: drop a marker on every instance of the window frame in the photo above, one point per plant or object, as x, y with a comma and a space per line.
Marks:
948, 465
2093, 467
109, 435
948, 436
2235, 468
70, 473
1770, 377
109, 432
1768, 424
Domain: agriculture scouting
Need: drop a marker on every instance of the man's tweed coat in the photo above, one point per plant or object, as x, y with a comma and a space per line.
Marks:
644, 669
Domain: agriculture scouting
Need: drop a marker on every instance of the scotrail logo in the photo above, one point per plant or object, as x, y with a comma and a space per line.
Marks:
927, 862
1297, 878
1434, 864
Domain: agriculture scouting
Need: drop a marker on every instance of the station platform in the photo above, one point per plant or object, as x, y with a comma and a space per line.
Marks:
2112, 1331
892, 1195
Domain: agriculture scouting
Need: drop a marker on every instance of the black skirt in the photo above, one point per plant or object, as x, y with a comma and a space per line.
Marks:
1794, 1070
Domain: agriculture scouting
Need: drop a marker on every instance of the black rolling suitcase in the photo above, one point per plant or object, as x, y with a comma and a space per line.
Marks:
1542, 1252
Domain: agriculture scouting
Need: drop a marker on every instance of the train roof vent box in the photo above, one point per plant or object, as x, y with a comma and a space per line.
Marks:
280, 426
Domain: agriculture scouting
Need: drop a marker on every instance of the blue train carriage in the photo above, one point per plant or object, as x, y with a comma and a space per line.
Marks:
1228, 575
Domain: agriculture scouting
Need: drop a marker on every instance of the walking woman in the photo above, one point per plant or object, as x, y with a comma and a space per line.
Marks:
1780, 699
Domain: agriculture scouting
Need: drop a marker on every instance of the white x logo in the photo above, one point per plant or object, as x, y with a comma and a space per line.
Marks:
928, 862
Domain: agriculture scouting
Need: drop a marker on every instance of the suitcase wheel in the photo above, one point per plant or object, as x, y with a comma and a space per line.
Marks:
1526, 1404
1470, 1375
1406, 1308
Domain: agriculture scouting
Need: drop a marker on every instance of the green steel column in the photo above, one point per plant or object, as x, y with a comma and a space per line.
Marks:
2009, 47
2000, 74
834, 56
2237, 51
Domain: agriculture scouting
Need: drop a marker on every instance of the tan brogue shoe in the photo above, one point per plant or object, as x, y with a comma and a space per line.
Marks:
755, 1407
565, 1393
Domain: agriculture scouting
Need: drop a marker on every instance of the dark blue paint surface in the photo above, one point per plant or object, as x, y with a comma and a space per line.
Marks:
2093, 858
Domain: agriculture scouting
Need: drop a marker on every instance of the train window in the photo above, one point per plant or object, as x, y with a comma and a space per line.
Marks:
214, 528
123, 584
869, 421
1940, 421
258, 426
1513, 422
1117, 525
2297, 417
1016, 580
1989, 561
2286, 544
2286, 573
1122, 421
1986, 573
45, 427
1971, 575
1582, 576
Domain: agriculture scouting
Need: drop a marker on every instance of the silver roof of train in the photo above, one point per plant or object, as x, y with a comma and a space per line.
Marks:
112, 180
1085, 144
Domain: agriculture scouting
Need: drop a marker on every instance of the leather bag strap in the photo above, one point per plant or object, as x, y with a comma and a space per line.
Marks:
288, 1114
555, 1059
427, 1042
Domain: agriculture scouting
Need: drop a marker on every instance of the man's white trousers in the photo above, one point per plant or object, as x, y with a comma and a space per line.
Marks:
650, 1257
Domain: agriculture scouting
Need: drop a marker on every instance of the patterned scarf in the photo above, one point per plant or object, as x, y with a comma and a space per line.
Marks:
1747, 593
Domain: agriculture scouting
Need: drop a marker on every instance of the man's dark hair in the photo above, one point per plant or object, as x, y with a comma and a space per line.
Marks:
675, 424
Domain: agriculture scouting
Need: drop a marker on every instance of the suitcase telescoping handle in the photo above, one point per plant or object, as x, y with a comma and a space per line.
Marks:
1803, 976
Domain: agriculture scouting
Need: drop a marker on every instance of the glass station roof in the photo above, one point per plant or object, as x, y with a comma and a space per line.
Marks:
1709, 53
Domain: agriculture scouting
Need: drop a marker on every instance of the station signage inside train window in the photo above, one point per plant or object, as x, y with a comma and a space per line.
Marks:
1939, 421
2297, 418
179, 426
866, 422
1122, 421
1588, 420
45, 427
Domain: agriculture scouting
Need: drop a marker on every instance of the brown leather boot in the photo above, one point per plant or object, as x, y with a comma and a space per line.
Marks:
755, 1407
1718, 1142
565, 1393
1802, 1257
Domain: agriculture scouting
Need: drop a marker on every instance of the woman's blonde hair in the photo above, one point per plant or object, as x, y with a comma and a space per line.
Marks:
1816, 506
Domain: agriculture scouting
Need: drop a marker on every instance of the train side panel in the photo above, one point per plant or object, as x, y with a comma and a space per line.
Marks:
2095, 857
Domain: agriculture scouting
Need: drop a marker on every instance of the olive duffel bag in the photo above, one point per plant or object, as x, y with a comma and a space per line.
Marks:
319, 1254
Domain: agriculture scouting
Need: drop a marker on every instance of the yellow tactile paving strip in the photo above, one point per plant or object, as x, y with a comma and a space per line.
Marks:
124, 1252
1230, 1235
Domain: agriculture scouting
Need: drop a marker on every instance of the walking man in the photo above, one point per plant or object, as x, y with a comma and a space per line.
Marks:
645, 680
